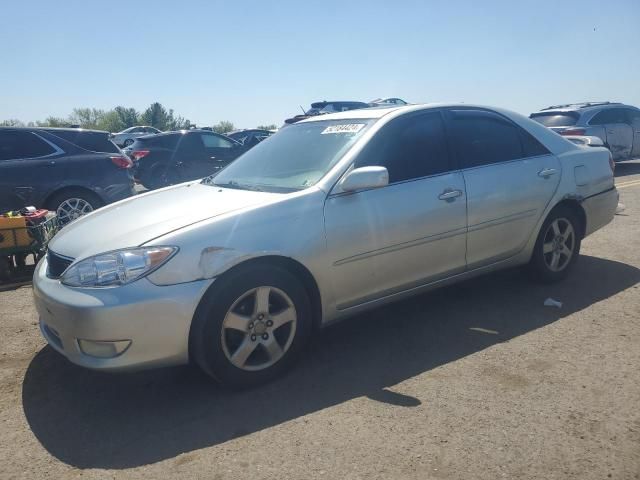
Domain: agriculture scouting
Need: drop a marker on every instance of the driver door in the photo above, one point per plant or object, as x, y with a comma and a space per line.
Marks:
411, 232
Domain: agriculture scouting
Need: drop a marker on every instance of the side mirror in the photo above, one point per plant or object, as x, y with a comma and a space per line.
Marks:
365, 177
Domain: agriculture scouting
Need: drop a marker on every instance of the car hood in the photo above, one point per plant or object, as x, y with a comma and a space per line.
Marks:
142, 218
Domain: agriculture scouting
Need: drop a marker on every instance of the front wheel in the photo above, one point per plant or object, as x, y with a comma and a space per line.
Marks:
251, 326
128, 142
557, 247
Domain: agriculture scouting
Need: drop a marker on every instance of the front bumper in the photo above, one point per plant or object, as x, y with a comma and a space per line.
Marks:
154, 319
600, 209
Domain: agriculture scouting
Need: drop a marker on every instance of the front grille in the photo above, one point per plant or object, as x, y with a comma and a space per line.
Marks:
56, 264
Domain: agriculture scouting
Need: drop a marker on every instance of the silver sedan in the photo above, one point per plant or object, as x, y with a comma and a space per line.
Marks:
126, 137
332, 216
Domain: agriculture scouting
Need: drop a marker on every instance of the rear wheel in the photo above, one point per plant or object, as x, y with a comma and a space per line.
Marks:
157, 176
72, 204
251, 327
557, 247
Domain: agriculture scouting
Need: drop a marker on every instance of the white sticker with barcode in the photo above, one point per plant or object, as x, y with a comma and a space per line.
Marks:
346, 128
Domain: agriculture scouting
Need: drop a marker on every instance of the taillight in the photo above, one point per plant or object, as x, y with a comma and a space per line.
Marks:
138, 154
612, 164
573, 131
121, 162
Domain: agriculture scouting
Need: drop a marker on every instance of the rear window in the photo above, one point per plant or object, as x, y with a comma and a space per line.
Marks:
92, 141
162, 141
564, 119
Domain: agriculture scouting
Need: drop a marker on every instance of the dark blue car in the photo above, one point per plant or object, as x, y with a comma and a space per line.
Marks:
68, 170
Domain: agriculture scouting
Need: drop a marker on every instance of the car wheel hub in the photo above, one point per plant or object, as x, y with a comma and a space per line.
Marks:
72, 209
558, 244
259, 328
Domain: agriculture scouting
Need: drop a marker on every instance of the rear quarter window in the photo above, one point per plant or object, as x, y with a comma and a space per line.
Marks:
93, 141
556, 119
160, 141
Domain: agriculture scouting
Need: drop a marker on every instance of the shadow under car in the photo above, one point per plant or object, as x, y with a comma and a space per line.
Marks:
93, 419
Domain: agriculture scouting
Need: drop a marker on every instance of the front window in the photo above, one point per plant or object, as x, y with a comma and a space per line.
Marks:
295, 158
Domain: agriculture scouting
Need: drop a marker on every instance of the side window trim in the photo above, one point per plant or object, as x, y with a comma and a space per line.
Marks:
453, 166
448, 114
57, 150
625, 114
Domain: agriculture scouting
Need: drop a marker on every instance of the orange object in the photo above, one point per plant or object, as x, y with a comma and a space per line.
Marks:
14, 233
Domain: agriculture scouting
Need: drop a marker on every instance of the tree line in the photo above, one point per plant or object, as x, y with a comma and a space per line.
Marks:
120, 118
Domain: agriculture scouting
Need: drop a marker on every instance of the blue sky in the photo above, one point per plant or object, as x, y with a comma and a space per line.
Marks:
255, 62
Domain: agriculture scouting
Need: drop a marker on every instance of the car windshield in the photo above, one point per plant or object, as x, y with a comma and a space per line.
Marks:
295, 158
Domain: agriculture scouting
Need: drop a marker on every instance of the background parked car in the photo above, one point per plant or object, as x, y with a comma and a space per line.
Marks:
618, 125
249, 137
69, 171
175, 157
388, 102
320, 108
128, 136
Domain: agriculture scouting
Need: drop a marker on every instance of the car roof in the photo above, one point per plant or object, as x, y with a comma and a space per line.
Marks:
57, 129
581, 107
324, 103
381, 111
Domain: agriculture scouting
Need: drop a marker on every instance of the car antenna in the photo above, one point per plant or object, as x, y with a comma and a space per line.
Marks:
303, 112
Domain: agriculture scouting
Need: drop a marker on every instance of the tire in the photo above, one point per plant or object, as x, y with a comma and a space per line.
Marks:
127, 142
555, 255
84, 201
248, 356
156, 176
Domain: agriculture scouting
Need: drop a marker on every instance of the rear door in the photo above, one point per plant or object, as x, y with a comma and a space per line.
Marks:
634, 120
27, 169
219, 151
618, 130
510, 178
408, 233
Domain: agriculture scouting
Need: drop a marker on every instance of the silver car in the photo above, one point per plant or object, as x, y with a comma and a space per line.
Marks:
329, 217
126, 137
616, 124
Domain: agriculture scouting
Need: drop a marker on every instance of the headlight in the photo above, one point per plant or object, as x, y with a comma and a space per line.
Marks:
117, 268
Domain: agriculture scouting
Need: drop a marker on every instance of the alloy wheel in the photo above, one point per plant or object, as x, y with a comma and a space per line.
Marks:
259, 328
559, 244
71, 209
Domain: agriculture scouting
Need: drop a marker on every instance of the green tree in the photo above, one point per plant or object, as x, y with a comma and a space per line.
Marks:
53, 122
158, 116
111, 122
224, 126
86, 117
271, 126
12, 122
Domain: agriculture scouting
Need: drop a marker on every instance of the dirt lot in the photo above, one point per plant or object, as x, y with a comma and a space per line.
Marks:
478, 380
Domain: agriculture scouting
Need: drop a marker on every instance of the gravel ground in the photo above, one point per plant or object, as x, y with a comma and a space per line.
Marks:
478, 380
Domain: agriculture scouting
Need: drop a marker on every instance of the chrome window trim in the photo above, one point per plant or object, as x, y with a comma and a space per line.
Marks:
57, 150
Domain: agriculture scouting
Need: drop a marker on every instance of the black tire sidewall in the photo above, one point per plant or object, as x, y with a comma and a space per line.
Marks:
156, 176
206, 338
538, 265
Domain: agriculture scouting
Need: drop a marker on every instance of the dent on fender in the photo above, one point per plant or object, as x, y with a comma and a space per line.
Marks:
214, 260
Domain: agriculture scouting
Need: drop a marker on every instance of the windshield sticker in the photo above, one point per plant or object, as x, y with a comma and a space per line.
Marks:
346, 128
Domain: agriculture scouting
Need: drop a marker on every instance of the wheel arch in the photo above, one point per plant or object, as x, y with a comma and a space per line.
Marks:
70, 188
294, 267
575, 206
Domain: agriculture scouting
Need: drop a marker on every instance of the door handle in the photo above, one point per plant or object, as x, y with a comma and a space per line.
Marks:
611, 132
450, 194
547, 172
52, 163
